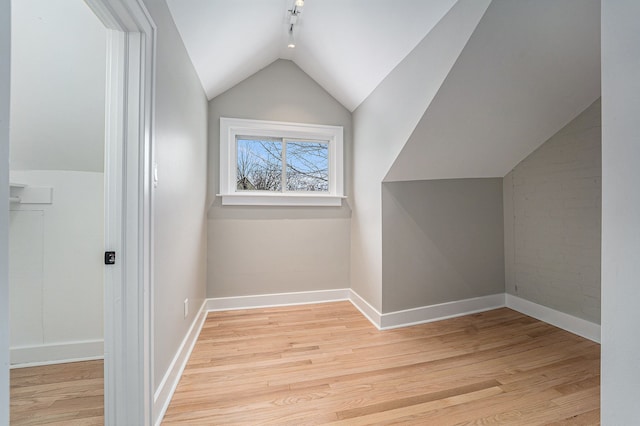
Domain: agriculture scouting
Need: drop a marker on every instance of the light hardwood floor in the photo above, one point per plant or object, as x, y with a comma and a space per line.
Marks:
319, 364
62, 394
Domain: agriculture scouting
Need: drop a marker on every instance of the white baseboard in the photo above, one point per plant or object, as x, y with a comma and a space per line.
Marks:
441, 311
425, 314
278, 299
371, 313
166, 388
59, 353
575, 325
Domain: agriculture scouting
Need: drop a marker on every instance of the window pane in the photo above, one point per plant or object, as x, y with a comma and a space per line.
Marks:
307, 166
259, 165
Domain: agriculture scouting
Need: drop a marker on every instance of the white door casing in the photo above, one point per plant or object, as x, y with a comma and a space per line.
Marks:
128, 216
5, 68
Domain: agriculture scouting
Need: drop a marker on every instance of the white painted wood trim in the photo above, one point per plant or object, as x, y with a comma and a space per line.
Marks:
415, 316
5, 72
575, 325
441, 311
278, 299
232, 127
291, 200
128, 205
365, 308
170, 381
30, 356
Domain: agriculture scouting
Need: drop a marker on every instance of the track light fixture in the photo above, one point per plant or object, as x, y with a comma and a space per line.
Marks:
294, 14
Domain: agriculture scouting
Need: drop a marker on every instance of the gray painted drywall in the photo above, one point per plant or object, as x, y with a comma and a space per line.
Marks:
382, 125
529, 68
179, 215
552, 220
5, 83
58, 86
442, 241
262, 250
620, 212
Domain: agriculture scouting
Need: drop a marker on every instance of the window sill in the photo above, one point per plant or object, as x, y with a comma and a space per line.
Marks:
281, 200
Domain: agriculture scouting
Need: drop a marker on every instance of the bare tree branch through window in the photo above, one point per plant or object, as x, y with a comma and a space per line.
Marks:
261, 165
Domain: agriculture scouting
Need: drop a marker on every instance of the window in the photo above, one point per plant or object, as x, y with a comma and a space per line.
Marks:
275, 163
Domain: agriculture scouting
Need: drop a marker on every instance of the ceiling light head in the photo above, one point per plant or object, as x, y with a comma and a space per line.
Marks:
291, 44
299, 3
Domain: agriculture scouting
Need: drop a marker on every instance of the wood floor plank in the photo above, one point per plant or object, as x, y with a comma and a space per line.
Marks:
62, 394
326, 364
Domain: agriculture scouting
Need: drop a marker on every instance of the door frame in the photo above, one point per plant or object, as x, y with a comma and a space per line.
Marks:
128, 216
5, 84
131, 44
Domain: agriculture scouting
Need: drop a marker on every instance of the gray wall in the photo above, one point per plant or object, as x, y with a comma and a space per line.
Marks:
508, 92
262, 250
442, 240
180, 147
620, 212
552, 220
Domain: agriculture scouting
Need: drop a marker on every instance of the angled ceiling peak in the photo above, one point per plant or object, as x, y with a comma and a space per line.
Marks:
347, 47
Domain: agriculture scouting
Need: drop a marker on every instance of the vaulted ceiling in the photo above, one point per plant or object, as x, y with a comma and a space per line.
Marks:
348, 47
523, 71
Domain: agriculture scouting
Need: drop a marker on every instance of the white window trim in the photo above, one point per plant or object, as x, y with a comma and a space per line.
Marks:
232, 127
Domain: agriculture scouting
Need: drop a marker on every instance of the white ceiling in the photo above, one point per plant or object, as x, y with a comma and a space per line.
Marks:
348, 47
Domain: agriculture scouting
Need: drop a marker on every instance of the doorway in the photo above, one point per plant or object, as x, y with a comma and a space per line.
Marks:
130, 71
56, 222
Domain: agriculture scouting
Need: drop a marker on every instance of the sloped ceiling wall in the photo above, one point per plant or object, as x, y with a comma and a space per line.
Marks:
529, 68
383, 123
58, 77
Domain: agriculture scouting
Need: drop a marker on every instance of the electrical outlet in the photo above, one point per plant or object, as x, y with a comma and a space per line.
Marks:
186, 307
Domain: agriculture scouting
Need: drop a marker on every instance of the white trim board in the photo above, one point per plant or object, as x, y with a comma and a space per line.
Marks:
425, 314
278, 299
441, 311
129, 135
415, 316
380, 321
365, 308
575, 325
169, 382
58, 353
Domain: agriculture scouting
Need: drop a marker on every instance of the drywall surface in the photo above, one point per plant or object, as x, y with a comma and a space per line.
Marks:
55, 269
179, 220
58, 86
5, 83
529, 68
441, 241
552, 230
262, 250
382, 125
620, 212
